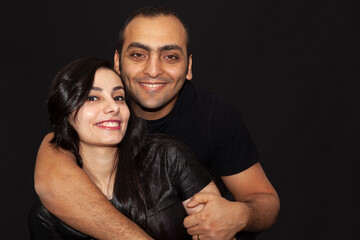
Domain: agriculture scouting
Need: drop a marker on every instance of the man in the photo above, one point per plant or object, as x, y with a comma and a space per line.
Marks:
155, 64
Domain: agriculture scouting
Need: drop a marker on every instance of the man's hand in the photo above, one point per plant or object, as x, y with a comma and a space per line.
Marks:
256, 208
219, 219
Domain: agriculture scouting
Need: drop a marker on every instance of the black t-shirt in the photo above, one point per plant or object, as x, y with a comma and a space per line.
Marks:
169, 174
211, 128
215, 133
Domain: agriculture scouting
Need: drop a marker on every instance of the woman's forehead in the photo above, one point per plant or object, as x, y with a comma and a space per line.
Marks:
105, 77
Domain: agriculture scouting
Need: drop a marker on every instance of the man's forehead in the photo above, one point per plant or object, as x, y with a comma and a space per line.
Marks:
155, 31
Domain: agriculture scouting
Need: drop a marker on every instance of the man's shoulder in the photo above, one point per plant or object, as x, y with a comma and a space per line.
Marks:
195, 96
190, 89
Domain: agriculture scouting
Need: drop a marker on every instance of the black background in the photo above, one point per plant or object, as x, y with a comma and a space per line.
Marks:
291, 68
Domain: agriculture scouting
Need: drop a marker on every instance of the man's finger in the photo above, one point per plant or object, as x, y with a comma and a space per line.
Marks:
193, 231
200, 198
191, 221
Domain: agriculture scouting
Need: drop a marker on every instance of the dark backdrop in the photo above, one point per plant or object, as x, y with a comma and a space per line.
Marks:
291, 68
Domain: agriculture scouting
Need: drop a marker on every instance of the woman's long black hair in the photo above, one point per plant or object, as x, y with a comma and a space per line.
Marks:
68, 93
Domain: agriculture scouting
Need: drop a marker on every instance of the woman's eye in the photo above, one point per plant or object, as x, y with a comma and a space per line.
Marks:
119, 98
92, 98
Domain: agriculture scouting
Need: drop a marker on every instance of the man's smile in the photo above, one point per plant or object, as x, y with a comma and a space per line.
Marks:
152, 86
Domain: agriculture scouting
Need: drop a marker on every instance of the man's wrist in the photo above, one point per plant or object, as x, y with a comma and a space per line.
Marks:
243, 213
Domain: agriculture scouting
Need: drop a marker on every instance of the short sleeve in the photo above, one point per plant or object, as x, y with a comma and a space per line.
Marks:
40, 224
44, 225
190, 177
232, 146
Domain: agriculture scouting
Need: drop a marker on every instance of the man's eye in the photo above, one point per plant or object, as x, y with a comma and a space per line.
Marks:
91, 98
137, 55
171, 57
119, 98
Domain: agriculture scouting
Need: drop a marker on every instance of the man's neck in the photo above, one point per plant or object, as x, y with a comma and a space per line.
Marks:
153, 114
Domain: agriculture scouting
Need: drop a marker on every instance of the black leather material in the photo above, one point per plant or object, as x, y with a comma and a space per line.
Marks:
169, 174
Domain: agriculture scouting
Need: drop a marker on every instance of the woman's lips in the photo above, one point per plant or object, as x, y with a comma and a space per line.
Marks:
109, 124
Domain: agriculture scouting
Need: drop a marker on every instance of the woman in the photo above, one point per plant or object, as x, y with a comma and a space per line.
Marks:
149, 178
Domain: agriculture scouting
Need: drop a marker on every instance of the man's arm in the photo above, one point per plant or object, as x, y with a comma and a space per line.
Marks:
67, 192
253, 188
256, 207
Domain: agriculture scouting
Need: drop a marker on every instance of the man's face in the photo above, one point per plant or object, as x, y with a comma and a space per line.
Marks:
154, 64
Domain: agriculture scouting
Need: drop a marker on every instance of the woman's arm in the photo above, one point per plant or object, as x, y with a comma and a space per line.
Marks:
67, 192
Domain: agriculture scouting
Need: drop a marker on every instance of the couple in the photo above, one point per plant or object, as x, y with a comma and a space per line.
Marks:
150, 179
154, 61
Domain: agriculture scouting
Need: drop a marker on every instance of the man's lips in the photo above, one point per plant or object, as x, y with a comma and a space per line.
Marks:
109, 124
152, 86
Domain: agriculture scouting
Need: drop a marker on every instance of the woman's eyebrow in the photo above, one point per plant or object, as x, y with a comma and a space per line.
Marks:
114, 89
96, 89
118, 88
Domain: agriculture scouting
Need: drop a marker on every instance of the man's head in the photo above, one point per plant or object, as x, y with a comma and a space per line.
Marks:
154, 60
152, 12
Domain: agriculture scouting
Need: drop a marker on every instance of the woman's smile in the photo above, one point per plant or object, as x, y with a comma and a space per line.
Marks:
110, 124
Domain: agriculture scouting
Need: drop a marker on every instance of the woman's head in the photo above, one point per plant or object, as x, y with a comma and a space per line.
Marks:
102, 119
87, 105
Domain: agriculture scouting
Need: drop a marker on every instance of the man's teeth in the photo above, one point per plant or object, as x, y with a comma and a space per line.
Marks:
152, 84
109, 124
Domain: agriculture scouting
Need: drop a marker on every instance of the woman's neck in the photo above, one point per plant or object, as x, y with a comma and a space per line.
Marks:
98, 163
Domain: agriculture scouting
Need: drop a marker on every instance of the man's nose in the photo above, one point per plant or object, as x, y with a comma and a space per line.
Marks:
153, 67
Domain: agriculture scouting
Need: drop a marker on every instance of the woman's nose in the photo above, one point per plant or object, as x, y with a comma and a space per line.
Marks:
111, 107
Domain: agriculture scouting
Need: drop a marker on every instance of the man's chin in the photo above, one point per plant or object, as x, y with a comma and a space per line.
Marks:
152, 107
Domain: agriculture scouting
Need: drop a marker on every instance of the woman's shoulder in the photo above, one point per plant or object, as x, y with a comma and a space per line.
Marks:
164, 150
163, 142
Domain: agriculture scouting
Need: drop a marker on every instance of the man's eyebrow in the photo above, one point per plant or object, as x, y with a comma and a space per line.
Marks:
171, 47
138, 45
160, 49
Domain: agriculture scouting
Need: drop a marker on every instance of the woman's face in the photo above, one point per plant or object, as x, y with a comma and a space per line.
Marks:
102, 119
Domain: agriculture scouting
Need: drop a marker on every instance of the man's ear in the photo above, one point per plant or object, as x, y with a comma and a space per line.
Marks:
189, 68
117, 62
